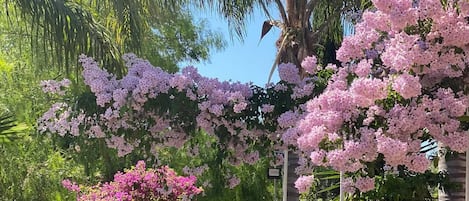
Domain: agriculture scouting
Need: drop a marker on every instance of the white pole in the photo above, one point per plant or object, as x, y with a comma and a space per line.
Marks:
285, 174
341, 191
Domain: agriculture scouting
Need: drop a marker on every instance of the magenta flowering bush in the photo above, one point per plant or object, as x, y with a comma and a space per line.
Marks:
139, 183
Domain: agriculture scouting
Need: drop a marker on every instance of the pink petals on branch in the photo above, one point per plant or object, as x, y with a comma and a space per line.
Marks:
304, 183
140, 184
407, 85
388, 97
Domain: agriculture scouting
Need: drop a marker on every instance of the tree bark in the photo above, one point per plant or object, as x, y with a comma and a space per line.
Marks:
290, 54
298, 46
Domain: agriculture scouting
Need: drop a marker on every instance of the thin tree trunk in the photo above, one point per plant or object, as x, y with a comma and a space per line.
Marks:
456, 168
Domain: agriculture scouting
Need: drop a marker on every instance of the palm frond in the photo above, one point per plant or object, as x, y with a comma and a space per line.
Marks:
6, 122
8, 132
236, 13
104, 29
66, 29
277, 58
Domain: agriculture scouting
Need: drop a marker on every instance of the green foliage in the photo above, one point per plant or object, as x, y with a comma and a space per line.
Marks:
399, 185
32, 170
9, 130
406, 187
254, 183
176, 38
59, 31
31, 167
326, 185
21, 94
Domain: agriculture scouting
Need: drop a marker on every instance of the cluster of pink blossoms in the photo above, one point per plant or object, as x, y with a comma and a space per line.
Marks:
139, 184
143, 102
142, 84
133, 103
54, 87
407, 88
304, 183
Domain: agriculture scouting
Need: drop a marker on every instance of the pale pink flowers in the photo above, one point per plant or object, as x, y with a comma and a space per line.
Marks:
289, 73
365, 184
233, 182
407, 85
309, 64
55, 87
304, 183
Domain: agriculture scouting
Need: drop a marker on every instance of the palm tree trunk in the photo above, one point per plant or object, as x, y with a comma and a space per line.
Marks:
301, 40
295, 11
456, 168
300, 43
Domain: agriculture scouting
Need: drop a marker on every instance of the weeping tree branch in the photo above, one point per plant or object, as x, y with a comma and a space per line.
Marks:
69, 30
103, 29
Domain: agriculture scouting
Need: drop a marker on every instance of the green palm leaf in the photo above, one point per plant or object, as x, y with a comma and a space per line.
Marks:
9, 130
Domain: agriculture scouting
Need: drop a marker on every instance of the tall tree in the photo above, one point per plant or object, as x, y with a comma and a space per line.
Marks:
307, 27
53, 33
106, 29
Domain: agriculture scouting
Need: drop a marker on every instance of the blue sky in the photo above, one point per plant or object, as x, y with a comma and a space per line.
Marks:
249, 61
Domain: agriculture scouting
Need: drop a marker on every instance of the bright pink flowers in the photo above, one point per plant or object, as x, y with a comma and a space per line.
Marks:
140, 184
71, 186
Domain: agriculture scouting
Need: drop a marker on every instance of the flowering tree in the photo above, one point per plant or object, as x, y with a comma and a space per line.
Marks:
140, 184
149, 110
401, 85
